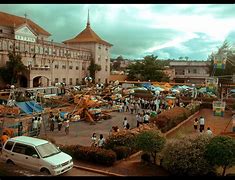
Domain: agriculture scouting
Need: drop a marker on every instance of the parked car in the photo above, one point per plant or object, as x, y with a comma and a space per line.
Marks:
36, 154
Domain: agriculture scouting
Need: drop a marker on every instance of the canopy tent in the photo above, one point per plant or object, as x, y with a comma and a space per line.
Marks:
29, 107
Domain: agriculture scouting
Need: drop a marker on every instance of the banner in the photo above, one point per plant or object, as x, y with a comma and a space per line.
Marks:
219, 61
211, 84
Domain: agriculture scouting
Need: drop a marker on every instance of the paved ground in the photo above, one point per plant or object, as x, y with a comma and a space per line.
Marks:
81, 132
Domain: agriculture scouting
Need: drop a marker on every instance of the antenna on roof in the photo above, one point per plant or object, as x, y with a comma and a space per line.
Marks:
25, 15
88, 20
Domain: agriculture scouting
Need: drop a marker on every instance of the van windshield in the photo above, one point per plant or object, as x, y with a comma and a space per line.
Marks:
47, 150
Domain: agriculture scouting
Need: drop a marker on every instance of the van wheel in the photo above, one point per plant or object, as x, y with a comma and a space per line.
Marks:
10, 162
45, 171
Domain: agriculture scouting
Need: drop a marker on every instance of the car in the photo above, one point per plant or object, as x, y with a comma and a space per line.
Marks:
36, 154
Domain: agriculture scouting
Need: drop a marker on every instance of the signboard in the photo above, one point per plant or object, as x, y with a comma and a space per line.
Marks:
211, 84
220, 61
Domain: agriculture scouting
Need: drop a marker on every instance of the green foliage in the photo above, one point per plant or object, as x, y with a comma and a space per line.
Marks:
93, 68
14, 67
171, 118
92, 154
120, 139
221, 152
122, 152
149, 69
229, 68
186, 156
150, 141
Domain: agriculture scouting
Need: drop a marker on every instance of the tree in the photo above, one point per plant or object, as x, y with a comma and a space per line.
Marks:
93, 68
186, 58
149, 69
151, 142
180, 58
230, 63
14, 67
186, 156
221, 152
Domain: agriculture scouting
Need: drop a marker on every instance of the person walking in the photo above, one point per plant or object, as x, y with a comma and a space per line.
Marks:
60, 120
132, 107
66, 127
138, 119
195, 124
20, 128
146, 118
125, 122
52, 121
209, 132
39, 124
202, 123
35, 126
101, 141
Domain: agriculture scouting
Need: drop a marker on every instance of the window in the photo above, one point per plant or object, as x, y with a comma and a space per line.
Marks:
77, 81
77, 68
70, 67
64, 80
106, 68
56, 80
1, 31
195, 71
188, 71
19, 148
63, 66
9, 145
30, 151
106, 60
83, 66
56, 66
70, 81
99, 80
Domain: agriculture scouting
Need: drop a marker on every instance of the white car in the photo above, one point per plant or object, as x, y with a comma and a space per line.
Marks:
36, 154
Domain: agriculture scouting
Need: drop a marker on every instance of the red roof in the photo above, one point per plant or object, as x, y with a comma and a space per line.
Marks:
87, 35
12, 21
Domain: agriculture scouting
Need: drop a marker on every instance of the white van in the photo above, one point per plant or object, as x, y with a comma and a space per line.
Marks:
36, 154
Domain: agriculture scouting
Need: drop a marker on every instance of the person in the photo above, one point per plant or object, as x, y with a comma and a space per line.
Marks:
101, 141
202, 123
20, 128
4, 138
93, 139
35, 126
195, 124
59, 121
39, 123
52, 121
209, 132
66, 127
138, 119
146, 118
125, 122
132, 107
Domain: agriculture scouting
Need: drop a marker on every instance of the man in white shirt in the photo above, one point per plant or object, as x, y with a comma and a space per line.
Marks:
146, 118
35, 126
202, 123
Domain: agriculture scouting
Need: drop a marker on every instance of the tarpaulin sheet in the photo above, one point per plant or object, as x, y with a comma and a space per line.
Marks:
29, 107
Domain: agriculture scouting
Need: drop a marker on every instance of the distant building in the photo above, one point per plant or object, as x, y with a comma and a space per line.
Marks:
50, 62
194, 72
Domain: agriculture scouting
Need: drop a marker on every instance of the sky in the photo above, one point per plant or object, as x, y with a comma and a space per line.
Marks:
168, 31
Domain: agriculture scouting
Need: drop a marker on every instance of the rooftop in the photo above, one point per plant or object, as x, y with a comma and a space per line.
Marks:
13, 21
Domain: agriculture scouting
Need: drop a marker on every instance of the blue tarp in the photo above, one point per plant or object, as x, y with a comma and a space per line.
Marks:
29, 107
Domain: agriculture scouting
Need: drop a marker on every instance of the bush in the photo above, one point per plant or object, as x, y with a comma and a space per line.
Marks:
124, 138
221, 152
145, 157
186, 156
151, 142
122, 152
92, 154
171, 118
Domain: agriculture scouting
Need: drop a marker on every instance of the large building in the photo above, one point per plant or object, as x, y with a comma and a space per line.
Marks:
50, 62
195, 72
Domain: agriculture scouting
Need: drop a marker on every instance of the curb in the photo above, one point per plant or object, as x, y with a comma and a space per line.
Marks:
180, 124
97, 171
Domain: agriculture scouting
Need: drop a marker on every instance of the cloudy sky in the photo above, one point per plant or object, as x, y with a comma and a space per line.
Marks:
168, 31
